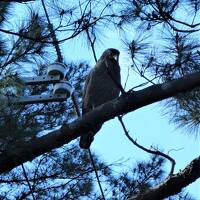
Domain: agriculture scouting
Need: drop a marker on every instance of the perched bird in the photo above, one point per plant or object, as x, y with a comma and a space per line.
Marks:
102, 85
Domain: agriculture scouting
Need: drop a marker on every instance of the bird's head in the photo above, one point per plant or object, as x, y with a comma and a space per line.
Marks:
111, 53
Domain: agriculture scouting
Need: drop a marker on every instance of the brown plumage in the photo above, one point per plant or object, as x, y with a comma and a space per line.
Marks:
102, 85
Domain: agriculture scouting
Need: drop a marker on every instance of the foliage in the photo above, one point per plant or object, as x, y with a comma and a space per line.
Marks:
175, 54
138, 179
68, 174
62, 174
26, 49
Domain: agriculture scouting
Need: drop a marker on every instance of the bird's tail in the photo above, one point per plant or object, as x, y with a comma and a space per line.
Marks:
87, 139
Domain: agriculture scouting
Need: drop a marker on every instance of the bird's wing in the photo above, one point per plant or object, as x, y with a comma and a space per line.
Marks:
85, 89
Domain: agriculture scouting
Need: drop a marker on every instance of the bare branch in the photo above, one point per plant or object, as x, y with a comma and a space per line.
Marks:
155, 152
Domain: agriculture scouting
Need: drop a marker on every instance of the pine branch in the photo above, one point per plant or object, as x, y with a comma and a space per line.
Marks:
18, 1
40, 40
174, 184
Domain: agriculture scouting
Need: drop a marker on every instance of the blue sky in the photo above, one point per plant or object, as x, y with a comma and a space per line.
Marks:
148, 125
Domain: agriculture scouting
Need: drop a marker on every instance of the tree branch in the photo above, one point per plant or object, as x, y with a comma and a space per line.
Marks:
174, 184
18, 1
130, 101
39, 40
155, 152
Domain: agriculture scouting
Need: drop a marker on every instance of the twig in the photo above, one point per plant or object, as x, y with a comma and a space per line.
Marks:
29, 185
53, 35
127, 78
155, 152
92, 44
142, 74
96, 173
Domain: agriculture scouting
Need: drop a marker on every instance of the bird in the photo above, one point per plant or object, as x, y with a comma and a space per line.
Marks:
102, 84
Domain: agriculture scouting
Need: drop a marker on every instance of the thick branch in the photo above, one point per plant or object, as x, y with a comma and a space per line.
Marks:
26, 151
174, 184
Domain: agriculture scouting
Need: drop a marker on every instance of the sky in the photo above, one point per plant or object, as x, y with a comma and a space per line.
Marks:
148, 125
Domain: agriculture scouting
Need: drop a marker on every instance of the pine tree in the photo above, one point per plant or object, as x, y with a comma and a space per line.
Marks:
170, 68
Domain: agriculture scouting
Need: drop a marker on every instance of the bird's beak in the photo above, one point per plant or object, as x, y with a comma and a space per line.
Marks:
116, 57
